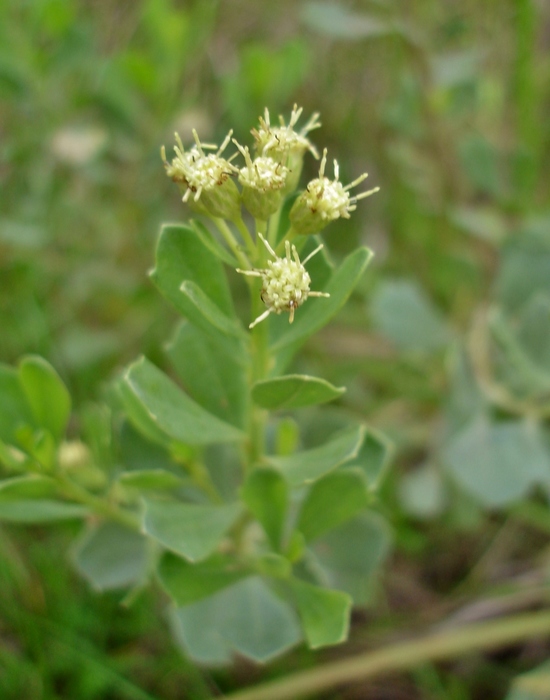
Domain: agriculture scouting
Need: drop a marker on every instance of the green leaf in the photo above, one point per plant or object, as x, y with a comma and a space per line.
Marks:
484, 222
14, 408
422, 492
294, 391
213, 245
498, 462
316, 313
216, 380
150, 480
331, 501
210, 312
527, 251
325, 614
40, 511
404, 314
351, 555
247, 618
47, 395
187, 583
373, 457
516, 367
26, 487
309, 465
111, 556
534, 329
169, 410
182, 257
265, 493
191, 530
480, 162
139, 417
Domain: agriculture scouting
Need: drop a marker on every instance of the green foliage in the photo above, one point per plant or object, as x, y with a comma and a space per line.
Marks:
191, 530
246, 617
445, 104
111, 556
293, 391
149, 395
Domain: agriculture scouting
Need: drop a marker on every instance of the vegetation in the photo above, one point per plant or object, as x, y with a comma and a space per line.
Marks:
443, 344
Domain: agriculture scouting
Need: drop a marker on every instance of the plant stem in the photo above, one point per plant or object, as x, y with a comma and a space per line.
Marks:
480, 636
229, 238
273, 228
99, 505
247, 238
260, 363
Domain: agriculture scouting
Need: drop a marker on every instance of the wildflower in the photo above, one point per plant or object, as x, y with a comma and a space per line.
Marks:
285, 282
284, 144
205, 179
263, 180
325, 200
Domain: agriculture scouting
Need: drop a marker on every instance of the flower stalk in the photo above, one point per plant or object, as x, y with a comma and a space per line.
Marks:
278, 280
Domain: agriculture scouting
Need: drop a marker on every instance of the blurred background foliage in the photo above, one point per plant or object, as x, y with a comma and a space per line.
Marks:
445, 347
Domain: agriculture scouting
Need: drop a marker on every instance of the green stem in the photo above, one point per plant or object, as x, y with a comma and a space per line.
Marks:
229, 238
201, 476
247, 238
260, 363
99, 505
273, 229
439, 646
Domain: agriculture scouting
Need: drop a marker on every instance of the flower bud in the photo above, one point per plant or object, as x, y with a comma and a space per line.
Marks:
285, 145
324, 200
205, 180
263, 181
285, 282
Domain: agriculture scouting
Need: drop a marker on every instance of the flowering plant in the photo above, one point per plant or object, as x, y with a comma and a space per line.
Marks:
257, 521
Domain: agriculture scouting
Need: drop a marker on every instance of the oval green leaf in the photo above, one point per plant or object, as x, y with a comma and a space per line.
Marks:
40, 511
325, 614
246, 617
169, 410
210, 311
187, 583
294, 391
331, 501
213, 378
48, 397
265, 493
26, 487
191, 530
309, 465
111, 556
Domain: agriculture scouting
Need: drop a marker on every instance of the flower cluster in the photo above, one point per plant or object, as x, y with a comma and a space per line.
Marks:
207, 181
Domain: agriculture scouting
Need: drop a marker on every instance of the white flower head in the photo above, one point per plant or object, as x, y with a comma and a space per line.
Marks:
263, 174
325, 200
285, 282
194, 168
279, 141
199, 173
